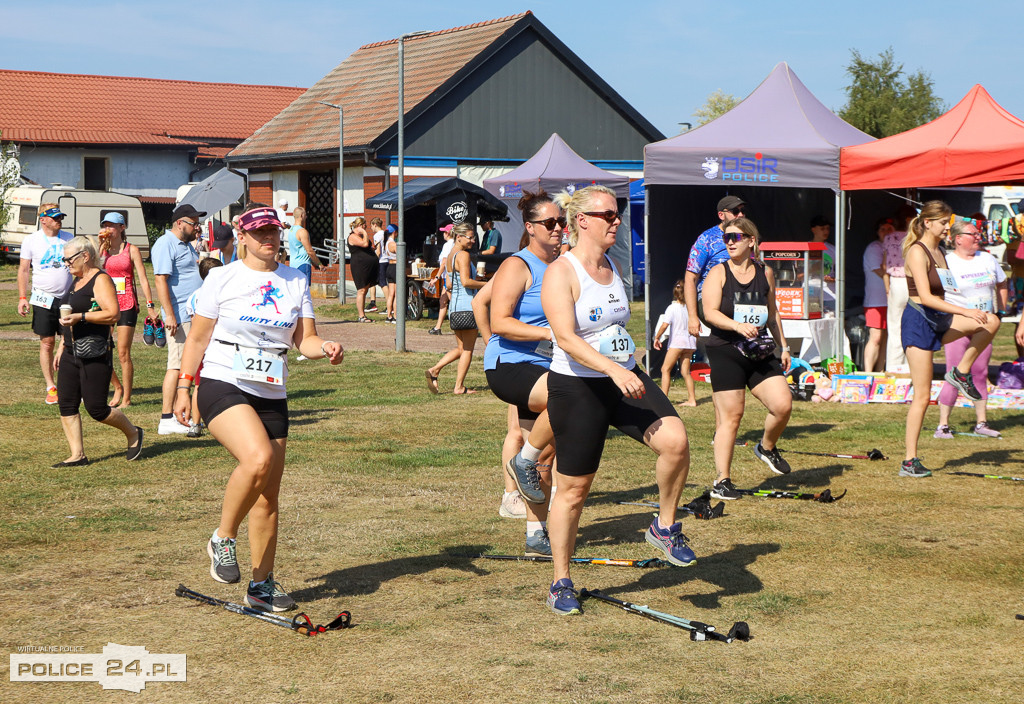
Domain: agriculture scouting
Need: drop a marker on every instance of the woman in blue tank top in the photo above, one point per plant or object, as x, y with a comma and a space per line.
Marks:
519, 353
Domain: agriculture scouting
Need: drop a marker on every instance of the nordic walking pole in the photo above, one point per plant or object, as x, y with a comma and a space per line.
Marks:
824, 497
989, 476
872, 455
697, 629
610, 562
304, 627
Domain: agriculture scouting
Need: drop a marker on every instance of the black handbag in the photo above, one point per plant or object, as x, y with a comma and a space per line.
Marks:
90, 346
462, 320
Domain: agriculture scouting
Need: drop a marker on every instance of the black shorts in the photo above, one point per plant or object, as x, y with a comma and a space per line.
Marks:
512, 383
129, 318
215, 396
382, 274
45, 323
582, 408
391, 273
731, 370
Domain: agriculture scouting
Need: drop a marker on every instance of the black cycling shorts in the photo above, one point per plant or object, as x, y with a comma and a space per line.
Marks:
129, 318
512, 383
582, 408
732, 370
216, 396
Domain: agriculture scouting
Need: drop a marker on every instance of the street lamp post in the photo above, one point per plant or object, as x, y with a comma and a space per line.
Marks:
401, 296
341, 200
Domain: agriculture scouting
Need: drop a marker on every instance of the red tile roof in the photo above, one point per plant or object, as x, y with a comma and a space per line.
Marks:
71, 108
366, 85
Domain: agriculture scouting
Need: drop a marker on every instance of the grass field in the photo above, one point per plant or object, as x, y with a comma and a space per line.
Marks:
905, 590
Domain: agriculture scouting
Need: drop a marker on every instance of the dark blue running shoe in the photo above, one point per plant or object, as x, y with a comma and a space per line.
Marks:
563, 598
148, 331
672, 542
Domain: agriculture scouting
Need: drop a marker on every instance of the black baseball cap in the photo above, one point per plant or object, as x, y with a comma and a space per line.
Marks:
186, 211
222, 234
730, 203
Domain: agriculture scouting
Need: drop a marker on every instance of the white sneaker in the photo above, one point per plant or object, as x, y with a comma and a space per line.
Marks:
512, 506
170, 426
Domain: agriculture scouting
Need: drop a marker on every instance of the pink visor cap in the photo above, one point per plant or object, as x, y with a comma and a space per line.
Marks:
258, 217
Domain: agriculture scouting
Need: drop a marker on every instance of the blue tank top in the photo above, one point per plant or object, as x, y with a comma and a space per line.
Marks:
462, 298
528, 310
297, 255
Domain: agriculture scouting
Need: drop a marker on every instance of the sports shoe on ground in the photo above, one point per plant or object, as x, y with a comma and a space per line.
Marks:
159, 333
269, 596
133, 452
538, 545
526, 477
772, 458
914, 468
170, 426
148, 331
371, 309
434, 331
724, 489
963, 384
943, 432
512, 505
223, 563
563, 599
195, 431
672, 542
51, 396
983, 429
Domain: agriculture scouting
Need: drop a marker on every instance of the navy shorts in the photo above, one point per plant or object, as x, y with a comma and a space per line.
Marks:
923, 327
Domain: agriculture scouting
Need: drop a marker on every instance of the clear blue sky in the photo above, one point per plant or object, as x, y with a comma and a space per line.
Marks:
663, 56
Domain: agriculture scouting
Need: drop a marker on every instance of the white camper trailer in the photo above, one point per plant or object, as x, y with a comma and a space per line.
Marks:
85, 210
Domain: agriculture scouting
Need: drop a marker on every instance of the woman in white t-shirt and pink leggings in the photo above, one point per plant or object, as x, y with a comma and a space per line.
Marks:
248, 315
982, 285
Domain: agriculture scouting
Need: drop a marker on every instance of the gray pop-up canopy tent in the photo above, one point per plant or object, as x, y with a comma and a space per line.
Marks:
779, 137
556, 167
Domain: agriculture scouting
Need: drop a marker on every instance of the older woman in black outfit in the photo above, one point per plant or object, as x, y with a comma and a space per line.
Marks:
84, 360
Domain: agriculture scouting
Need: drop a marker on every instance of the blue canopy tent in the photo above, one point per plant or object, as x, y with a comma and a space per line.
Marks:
637, 200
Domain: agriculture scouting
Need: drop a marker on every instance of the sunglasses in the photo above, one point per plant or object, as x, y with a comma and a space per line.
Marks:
549, 223
608, 216
735, 211
68, 260
730, 237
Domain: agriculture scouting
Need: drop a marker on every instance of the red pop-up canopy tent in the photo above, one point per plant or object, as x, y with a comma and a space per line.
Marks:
976, 142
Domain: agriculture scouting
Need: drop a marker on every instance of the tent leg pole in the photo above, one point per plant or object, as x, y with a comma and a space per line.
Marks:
840, 272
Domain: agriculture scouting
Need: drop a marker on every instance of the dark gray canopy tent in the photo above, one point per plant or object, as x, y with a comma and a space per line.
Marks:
778, 137
555, 168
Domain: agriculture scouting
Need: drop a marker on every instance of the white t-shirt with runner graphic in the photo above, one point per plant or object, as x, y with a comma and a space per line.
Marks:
46, 253
976, 278
256, 314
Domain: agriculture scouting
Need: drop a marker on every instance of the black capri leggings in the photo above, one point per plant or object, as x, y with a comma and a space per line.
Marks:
582, 408
512, 383
84, 380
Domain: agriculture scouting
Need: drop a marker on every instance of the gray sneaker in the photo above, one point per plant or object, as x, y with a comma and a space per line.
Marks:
269, 596
963, 383
223, 563
914, 468
526, 477
538, 545
195, 431
724, 489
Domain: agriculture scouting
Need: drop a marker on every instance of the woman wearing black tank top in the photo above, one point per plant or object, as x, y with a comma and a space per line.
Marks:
929, 322
739, 306
82, 376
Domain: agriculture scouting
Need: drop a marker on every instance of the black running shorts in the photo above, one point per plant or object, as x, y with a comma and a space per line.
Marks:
582, 408
216, 396
512, 383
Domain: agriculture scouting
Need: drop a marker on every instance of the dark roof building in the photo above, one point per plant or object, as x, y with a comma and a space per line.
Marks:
466, 111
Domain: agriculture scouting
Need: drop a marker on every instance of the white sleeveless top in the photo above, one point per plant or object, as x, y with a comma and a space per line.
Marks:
599, 308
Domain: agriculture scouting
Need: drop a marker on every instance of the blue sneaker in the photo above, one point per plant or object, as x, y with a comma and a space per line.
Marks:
672, 542
563, 598
159, 334
148, 331
538, 544
526, 477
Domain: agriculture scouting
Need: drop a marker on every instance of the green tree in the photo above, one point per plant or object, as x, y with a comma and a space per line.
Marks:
10, 173
717, 104
882, 100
